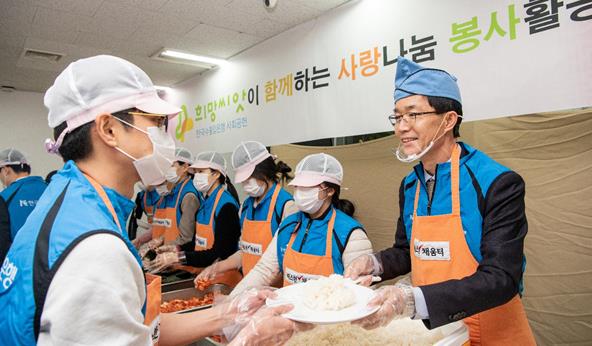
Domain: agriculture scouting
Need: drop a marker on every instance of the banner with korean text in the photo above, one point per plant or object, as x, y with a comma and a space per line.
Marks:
333, 76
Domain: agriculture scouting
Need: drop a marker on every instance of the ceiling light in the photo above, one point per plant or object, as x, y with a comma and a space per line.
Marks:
40, 55
187, 58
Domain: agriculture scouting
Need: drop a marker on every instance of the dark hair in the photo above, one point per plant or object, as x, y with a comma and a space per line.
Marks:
49, 176
268, 169
443, 105
344, 205
223, 179
21, 168
77, 145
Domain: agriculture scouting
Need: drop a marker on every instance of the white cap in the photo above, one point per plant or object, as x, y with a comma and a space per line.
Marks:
99, 84
210, 159
12, 156
183, 155
316, 169
245, 157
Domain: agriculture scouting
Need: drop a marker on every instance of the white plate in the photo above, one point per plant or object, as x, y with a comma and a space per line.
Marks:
301, 313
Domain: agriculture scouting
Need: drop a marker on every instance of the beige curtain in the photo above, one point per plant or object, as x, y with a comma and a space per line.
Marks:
553, 153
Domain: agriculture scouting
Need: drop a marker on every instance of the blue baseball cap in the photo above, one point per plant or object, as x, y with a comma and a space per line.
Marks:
414, 79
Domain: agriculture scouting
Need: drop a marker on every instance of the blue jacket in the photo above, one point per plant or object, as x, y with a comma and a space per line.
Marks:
21, 197
259, 213
69, 211
205, 209
314, 242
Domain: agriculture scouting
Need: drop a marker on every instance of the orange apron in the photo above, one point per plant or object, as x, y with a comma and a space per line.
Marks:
301, 267
439, 252
165, 219
256, 236
149, 210
204, 234
153, 282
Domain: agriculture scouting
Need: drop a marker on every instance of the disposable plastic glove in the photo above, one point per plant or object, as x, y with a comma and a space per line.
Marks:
362, 268
394, 302
268, 327
163, 261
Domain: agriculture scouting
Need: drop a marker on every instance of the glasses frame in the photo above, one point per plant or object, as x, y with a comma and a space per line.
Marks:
411, 115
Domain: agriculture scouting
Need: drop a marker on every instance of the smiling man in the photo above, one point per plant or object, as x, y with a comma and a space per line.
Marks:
462, 222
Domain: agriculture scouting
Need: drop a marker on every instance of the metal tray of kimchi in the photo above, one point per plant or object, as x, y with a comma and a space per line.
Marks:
191, 299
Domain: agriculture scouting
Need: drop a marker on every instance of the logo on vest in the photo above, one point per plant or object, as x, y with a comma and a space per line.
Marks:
251, 248
200, 241
155, 330
295, 277
431, 250
162, 222
7, 273
27, 203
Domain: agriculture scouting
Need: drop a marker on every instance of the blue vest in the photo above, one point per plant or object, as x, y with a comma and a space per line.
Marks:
314, 243
259, 213
169, 200
205, 209
21, 197
69, 211
151, 199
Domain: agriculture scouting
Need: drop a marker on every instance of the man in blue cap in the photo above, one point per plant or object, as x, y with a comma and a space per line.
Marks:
22, 190
461, 227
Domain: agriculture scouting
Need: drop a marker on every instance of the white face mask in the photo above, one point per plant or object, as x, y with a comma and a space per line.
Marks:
152, 168
307, 199
410, 158
171, 175
162, 190
201, 183
252, 188
3, 178
141, 186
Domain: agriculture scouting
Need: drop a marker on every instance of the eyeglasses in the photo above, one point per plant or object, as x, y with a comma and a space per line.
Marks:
162, 121
409, 118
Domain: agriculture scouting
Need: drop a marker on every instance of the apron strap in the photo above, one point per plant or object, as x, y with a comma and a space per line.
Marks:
276, 192
145, 199
181, 190
416, 198
104, 197
218, 195
454, 179
454, 183
329, 241
293, 236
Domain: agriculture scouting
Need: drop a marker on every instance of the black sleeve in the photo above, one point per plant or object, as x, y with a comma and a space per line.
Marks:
498, 276
227, 232
395, 260
132, 227
5, 240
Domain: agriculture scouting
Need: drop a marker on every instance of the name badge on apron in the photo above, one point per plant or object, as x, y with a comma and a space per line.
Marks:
201, 241
295, 277
162, 222
431, 250
251, 248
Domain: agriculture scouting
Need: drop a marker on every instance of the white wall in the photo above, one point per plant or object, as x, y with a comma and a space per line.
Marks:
23, 125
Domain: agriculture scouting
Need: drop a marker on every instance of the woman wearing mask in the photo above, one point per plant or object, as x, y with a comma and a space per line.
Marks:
217, 225
174, 216
262, 212
320, 239
139, 228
